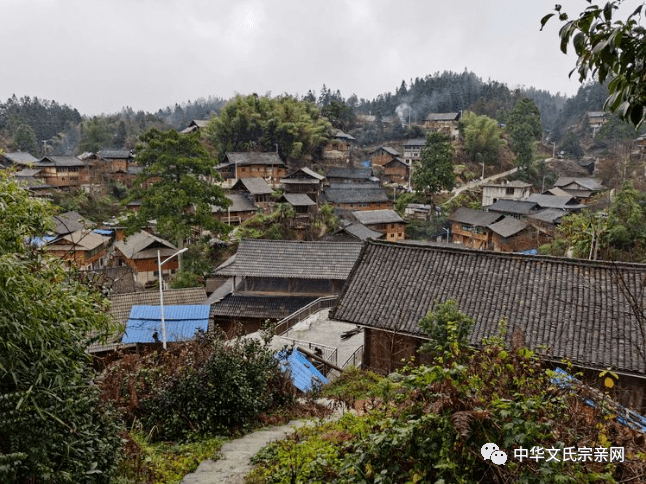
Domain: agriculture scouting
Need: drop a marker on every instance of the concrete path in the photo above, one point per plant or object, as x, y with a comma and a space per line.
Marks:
474, 183
236, 456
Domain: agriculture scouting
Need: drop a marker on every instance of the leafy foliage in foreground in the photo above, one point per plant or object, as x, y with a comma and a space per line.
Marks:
200, 388
431, 421
52, 428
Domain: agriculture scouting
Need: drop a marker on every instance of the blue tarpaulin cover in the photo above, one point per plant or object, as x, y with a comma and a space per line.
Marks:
103, 232
182, 322
303, 373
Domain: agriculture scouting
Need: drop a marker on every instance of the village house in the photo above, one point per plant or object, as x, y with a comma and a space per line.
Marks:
564, 202
444, 122
303, 205
383, 155
511, 234
304, 181
515, 190
396, 171
139, 251
339, 146
256, 190
271, 279
514, 208
418, 211
470, 227
84, 248
387, 222
241, 209
547, 220
195, 125
63, 171
351, 174
357, 196
581, 188
413, 150
352, 232
29, 179
596, 119
253, 164
582, 311
114, 163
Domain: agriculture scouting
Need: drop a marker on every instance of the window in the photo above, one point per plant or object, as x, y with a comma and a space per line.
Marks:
509, 191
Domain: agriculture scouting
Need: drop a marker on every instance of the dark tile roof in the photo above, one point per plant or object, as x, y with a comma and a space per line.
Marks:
115, 154
143, 245
477, 218
369, 217
575, 309
254, 158
293, 259
341, 135
350, 173
299, 199
553, 201
443, 117
305, 173
255, 306
20, 158
69, 222
583, 183
355, 193
549, 215
509, 226
60, 161
387, 149
253, 185
239, 203
362, 232
519, 207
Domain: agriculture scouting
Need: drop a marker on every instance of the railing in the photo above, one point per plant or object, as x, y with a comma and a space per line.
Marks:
355, 359
328, 353
287, 323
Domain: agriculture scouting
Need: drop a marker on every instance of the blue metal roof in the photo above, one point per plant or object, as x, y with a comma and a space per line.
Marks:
103, 232
182, 322
303, 374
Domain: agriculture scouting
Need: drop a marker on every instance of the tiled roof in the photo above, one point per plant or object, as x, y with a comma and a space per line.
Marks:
239, 203
355, 193
549, 215
79, 240
143, 245
254, 158
443, 117
115, 154
559, 192
553, 201
362, 232
477, 218
369, 217
592, 184
60, 161
396, 161
20, 157
341, 135
508, 226
293, 259
575, 309
520, 207
254, 306
182, 322
253, 185
27, 172
309, 174
415, 142
389, 150
350, 173
299, 199
511, 184
68, 222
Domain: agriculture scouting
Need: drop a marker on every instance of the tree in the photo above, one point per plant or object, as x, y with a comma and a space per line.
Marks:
482, 138
524, 127
25, 139
609, 50
176, 187
94, 135
52, 428
434, 172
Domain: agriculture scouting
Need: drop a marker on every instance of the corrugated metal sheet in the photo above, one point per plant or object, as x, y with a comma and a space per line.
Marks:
181, 322
303, 373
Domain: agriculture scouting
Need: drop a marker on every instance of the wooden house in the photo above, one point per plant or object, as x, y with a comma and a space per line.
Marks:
114, 162
253, 164
581, 188
350, 174
547, 220
396, 170
565, 202
514, 208
339, 146
63, 171
596, 119
387, 222
469, 227
17, 159
241, 209
383, 155
303, 205
357, 196
551, 304
256, 190
352, 232
444, 122
511, 234
271, 279
84, 248
195, 125
139, 251
304, 181
515, 190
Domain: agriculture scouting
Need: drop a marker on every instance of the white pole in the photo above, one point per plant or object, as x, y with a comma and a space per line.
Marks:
161, 299
161, 291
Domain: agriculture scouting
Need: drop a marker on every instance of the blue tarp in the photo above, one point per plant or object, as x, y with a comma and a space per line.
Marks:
628, 418
106, 232
303, 373
182, 322
40, 241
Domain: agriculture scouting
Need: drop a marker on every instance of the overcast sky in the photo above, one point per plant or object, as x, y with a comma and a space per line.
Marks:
102, 55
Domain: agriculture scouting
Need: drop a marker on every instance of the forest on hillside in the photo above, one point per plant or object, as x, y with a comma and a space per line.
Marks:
45, 127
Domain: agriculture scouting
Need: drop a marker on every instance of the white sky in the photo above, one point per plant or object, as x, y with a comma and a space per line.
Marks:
101, 55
